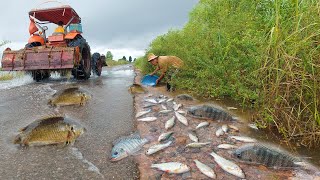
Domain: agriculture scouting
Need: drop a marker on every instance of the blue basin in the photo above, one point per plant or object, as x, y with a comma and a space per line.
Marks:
149, 80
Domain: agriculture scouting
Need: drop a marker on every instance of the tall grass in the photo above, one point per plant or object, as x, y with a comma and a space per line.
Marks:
262, 51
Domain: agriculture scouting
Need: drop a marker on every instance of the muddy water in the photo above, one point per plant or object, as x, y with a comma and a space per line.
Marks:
107, 116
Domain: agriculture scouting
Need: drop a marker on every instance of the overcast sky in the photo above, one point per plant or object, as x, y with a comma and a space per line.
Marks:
124, 27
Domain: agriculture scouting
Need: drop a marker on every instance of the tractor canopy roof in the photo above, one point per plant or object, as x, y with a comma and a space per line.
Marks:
56, 14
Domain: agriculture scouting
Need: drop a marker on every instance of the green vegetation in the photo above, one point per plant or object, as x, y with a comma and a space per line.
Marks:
259, 51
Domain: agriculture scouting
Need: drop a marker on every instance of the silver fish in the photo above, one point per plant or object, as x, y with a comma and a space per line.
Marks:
226, 146
253, 126
172, 167
161, 100
182, 112
203, 124
266, 155
169, 100
147, 119
170, 123
219, 132
193, 136
232, 108
149, 105
157, 147
165, 136
177, 106
141, 113
151, 101
225, 128
228, 166
206, 170
181, 118
165, 111
243, 139
123, 147
197, 145
163, 107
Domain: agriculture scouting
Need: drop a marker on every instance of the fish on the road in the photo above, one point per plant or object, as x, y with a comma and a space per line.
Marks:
137, 89
151, 101
70, 96
209, 112
228, 166
165, 111
203, 124
235, 128
227, 146
141, 113
265, 155
197, 144
170, 123
225, 128
206, 170
243, 139
155, 148
169, 100
176, 106
50, 130
193, 136
165, 136
172, 167
147, 119
181, 118
219, 132
125, 146
163, 107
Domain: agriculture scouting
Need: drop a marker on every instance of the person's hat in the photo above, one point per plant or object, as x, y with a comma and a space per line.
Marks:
151, 57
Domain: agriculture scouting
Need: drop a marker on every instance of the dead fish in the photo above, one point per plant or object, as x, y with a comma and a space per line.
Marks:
165, 136
50, 130
141, 113
172, 167
265, 155
233, 127
232, 108
243, 139
193, 136
182, 112
181, 118
70, 96
155, 148
151, 101
228, 166
219, 132
226, 146
177, 106
163, 107
170, 123
203, 124
137, 89
149, 105
253, 126
197, 144
165, 111
206, 170
209, 112
225, 128
169, 100
147, 119
125, 146
184, 97
161, 100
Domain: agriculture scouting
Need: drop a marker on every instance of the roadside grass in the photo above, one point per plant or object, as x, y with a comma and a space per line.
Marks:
5, 76
264, 54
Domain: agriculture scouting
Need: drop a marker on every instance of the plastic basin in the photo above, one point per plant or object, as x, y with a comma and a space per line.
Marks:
149, 80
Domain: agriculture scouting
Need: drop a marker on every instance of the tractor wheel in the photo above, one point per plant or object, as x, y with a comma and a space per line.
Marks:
39, 75
83, 70
33, 44
96, 64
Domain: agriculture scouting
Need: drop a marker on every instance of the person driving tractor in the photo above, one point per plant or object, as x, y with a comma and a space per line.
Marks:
59, 29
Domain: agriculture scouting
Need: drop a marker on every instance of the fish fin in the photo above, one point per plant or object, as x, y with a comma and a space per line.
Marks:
17, 139
133, 135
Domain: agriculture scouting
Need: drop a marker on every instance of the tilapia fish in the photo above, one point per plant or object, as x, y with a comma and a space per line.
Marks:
137, 89
265, 155
157, 147
50, 130
172, 167
125, 146
209, 112
70, 96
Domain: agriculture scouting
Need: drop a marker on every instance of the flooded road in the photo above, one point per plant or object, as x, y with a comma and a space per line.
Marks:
107, 116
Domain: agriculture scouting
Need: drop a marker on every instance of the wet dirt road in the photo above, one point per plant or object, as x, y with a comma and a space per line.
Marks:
107, 116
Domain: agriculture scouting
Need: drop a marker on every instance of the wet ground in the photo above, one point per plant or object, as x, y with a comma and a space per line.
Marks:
107, 116
177, 152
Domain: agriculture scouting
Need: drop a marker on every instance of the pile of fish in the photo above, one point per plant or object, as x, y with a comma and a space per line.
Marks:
162, 107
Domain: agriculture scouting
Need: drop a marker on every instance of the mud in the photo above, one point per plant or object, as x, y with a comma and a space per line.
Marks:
179, 153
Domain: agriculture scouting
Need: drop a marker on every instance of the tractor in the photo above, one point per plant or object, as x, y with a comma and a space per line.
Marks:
63, 52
